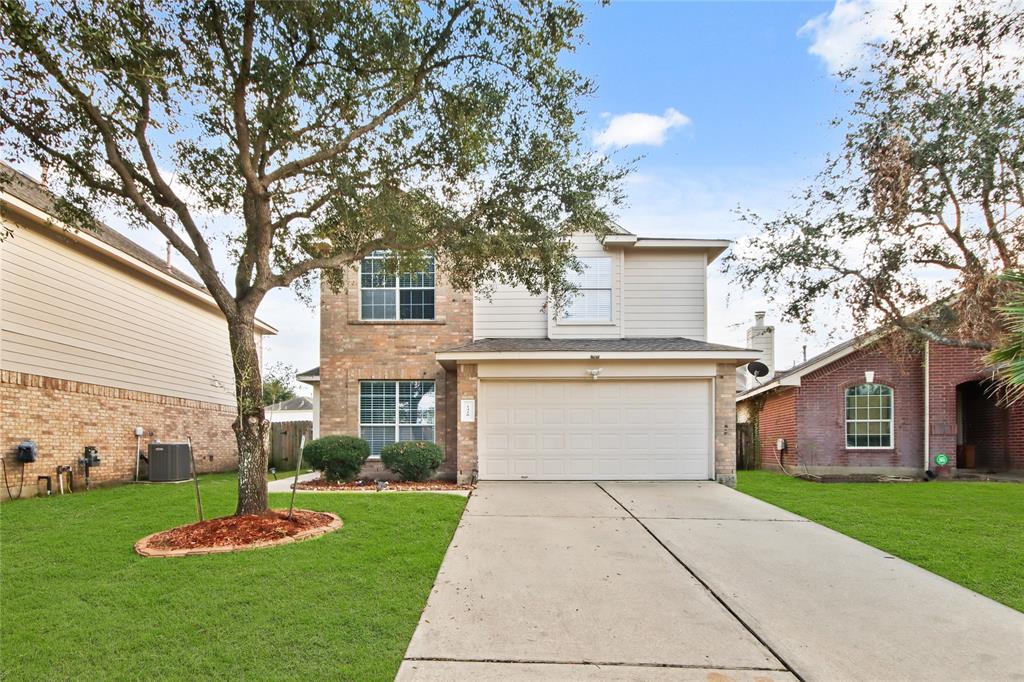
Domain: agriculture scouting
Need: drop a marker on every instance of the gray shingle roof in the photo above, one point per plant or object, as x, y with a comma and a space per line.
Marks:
637, 345
297, 403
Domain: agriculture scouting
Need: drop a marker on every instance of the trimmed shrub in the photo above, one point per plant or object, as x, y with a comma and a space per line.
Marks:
339, 457
412, 460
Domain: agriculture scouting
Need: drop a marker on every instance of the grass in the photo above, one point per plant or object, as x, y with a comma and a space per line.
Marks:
971, 533
77, 602
288, 473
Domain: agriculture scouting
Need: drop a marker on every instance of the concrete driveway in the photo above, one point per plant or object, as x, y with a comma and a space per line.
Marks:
689, 581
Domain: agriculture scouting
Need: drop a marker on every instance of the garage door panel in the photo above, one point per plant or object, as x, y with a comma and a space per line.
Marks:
594, 430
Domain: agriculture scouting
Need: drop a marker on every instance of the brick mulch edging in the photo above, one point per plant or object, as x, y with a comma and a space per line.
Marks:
143, 549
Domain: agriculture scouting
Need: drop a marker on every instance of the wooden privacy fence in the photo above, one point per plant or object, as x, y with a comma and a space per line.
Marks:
285, 438
747, 456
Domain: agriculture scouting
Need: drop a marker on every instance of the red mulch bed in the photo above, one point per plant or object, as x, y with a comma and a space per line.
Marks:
365, 485
240, 531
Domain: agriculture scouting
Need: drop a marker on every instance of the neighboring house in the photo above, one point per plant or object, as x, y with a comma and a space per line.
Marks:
856, 409
298, 409
622, 385
98, 337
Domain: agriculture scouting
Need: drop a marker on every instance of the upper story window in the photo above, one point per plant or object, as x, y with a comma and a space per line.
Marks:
384, 296
592, 301
869, 416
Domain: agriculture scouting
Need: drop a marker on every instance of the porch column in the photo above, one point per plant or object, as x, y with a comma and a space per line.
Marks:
468, 389
725, 424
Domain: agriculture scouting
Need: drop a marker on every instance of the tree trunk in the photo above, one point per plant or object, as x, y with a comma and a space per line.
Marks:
250, 425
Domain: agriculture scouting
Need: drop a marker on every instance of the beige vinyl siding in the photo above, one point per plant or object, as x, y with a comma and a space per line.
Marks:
68, 313
509, 312
588, 246
664, 293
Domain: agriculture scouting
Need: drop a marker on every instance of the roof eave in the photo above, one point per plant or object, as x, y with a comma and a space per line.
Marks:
449, 359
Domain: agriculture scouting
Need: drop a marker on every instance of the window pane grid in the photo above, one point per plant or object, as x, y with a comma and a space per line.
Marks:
869, 416
409, 296
395, 410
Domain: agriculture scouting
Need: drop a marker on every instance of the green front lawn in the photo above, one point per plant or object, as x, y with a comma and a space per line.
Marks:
77, 602
970, 533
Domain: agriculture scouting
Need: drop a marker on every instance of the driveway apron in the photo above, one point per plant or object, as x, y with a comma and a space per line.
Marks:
689, 581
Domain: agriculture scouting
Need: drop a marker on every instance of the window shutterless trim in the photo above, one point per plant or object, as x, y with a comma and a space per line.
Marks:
397, 288
610, 320
891, 421
397, 423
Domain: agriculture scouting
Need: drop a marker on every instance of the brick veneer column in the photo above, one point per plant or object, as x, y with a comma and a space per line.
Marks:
468, 388
725, 424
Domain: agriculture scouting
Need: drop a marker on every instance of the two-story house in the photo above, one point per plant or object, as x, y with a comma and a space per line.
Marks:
619, 384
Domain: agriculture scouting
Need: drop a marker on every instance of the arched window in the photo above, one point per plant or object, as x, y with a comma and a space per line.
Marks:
869, 416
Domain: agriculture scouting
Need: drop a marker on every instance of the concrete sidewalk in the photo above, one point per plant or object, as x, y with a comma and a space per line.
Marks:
690, 581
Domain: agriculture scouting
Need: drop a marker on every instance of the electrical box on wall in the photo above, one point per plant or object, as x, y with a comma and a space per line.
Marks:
780, 444
27, 452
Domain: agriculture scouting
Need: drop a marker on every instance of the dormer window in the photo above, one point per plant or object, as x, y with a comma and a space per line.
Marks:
592, 301
384, 296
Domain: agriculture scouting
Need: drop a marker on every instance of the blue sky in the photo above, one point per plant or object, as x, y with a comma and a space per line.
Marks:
727, 103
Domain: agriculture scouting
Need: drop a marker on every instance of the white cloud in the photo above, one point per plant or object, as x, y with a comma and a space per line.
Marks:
842, 37
630, 129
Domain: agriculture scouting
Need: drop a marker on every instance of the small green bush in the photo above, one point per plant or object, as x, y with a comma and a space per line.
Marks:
339, 457
413, 460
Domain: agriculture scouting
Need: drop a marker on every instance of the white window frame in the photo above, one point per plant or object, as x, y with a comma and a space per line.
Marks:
398, 289
397, 423
564, 318
891, 420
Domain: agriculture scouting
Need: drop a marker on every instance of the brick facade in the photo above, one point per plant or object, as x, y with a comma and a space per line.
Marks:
812, 417
352, 350
468, 389
725, 424
777, 419
63, 417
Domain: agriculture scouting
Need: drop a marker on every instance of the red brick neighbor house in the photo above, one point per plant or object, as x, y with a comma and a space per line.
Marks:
855, 409
622, 384
100, 338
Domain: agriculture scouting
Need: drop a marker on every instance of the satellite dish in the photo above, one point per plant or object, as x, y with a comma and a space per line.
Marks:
758, 369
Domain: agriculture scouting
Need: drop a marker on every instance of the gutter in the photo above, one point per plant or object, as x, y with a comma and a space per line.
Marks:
927, 406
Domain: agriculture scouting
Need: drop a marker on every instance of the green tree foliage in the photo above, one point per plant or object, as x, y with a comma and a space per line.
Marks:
278, 383
1008, 356
319, 131
925, 202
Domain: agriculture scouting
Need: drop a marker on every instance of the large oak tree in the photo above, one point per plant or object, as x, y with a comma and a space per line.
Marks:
911, 224
323, 130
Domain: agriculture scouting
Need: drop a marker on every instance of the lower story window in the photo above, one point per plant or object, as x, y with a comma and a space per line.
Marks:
391, 411
869, 416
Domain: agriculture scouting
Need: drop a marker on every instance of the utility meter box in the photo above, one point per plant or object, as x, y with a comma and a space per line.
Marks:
27, 451
169, 462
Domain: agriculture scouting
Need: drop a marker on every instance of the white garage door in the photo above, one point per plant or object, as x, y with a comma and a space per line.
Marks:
592, 430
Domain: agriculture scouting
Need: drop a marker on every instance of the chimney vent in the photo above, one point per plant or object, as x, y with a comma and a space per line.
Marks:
762, 337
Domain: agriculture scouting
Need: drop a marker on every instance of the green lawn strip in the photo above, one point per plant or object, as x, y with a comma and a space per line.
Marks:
969, 532
79, 603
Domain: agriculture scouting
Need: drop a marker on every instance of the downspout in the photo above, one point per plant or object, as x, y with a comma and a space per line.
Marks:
927, 407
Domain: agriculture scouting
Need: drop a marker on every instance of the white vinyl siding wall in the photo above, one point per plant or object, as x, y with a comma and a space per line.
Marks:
69, 315
664, 294
510, 312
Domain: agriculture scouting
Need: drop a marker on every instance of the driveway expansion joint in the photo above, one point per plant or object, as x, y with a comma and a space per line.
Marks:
788, 668
608, 664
